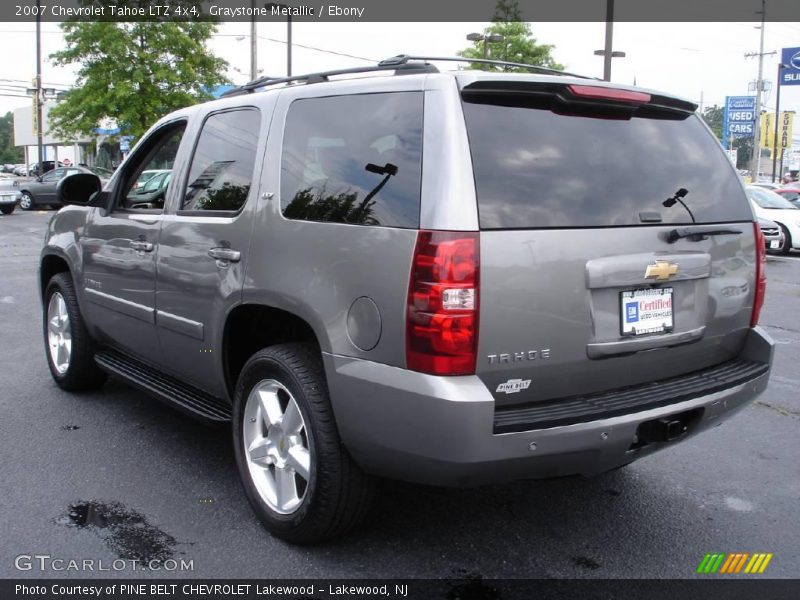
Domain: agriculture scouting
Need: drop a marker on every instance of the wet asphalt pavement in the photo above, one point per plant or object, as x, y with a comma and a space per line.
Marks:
115, 474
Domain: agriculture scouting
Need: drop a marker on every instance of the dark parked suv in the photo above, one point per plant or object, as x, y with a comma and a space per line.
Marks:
449, 278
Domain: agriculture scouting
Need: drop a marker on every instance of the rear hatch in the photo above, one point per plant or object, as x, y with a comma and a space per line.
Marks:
617, 244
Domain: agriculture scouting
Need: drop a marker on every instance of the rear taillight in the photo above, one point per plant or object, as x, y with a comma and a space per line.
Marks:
604, 93
442, 312
761, 274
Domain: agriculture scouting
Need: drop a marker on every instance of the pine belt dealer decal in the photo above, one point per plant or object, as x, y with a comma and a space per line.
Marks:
512, 386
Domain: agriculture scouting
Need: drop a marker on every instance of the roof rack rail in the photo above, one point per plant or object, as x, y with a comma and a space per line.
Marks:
399, 69
403, 59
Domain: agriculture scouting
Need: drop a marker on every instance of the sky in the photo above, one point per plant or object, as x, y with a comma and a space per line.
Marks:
698, 61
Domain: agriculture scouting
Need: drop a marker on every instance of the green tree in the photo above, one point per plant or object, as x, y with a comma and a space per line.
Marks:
518, 43
134, 72
713, 116
8, 152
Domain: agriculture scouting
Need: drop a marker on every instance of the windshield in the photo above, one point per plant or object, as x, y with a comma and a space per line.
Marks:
767, 199
156, 183
538, 166
101, 172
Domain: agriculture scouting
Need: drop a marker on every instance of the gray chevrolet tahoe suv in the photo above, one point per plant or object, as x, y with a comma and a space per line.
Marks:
450, 278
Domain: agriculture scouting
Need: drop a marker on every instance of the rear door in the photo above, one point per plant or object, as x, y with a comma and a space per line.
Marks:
203, 251
588, 281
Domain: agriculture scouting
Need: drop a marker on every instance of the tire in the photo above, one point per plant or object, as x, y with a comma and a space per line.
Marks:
336, 495
7, 209
68, 347
26, 201
787, 240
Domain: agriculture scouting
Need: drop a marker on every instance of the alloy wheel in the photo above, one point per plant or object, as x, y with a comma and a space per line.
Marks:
59, 335
276, 445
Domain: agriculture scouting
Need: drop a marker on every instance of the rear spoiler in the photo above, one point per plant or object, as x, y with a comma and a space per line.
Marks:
577, 94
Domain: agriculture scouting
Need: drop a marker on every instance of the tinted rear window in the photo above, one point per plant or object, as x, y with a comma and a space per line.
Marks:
354, 159
535, 168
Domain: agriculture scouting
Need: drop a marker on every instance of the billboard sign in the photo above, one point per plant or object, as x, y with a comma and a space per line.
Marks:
739, 119
790, 74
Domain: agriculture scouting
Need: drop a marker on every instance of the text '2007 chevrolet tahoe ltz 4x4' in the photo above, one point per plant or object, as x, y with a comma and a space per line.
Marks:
443, 277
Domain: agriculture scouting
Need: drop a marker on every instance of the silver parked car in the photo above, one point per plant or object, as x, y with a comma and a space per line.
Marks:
9, 195
450, 278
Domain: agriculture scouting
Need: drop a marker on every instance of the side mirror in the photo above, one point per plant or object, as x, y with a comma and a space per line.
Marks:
78, 188
39, 179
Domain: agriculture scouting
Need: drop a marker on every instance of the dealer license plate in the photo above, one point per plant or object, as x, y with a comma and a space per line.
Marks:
774, 244
646, 311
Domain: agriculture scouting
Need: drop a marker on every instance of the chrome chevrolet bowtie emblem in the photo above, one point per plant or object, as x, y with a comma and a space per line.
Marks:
660, 270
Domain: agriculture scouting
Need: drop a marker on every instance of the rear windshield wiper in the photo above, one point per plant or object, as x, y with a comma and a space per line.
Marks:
697, 234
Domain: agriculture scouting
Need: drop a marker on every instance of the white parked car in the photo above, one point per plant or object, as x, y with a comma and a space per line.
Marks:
769, 205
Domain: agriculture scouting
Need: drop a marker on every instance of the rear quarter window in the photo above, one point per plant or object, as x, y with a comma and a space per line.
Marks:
535, 168
353, 159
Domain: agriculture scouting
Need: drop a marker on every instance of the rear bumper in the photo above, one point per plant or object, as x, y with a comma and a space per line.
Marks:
440, 430
9, 198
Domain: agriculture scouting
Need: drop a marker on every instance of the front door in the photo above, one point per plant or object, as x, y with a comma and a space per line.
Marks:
204, 242
120, 248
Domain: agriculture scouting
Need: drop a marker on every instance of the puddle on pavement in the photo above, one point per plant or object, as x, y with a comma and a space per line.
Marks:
126, 532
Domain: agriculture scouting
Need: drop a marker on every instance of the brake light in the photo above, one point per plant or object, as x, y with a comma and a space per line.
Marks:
761, 274
604, 93
442, 309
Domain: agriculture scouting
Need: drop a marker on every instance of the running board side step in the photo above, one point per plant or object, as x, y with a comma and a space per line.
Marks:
166, 388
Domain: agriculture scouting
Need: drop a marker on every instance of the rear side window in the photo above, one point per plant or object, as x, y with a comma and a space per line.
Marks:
354, 159
222, 166
535, 168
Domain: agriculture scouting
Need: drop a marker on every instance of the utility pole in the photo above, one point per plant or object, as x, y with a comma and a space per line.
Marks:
38, 92
755, 159
288, 44
253, 43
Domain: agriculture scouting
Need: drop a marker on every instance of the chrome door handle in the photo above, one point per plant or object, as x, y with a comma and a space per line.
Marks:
142, 246
225, 254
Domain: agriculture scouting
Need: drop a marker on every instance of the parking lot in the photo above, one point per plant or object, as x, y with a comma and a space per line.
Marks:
115, 474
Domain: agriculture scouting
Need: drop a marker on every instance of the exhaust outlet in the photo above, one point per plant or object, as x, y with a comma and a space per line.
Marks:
661, 430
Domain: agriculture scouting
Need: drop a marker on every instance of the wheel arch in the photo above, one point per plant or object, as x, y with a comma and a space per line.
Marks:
252, 327
51, 264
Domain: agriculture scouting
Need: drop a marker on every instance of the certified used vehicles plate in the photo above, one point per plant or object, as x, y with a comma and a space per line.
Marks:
773, 244
646, 311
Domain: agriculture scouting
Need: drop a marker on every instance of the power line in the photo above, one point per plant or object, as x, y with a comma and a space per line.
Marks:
319, 49
27, 82
306, 46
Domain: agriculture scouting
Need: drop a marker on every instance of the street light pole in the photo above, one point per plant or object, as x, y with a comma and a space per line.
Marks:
608, 53
485, 38
781, 66
609, 40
